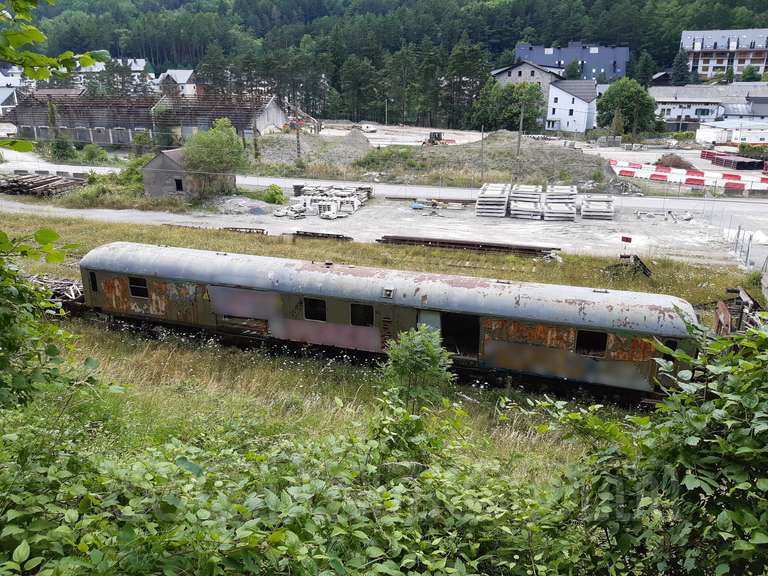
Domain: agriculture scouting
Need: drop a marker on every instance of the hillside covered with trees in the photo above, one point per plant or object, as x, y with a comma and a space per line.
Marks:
427, 58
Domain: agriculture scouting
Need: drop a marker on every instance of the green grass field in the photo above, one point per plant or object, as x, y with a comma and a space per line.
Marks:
695, 283
187, 389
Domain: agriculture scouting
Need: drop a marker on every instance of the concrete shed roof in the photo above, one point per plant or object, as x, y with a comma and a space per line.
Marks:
588, 308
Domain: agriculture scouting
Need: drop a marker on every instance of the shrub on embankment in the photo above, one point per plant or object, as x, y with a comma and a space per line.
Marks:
680, 490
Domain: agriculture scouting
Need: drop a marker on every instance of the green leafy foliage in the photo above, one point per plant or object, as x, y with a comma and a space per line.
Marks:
30, 345
214, 154
638, 109
683, 490
274, 195
677, 491
94, 154
501, 106
418, 365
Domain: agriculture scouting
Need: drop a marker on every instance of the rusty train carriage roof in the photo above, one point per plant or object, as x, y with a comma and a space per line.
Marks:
657, 314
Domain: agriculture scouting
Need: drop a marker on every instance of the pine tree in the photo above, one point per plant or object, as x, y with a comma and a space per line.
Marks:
572, 71
645, 68
729, 75
680, 73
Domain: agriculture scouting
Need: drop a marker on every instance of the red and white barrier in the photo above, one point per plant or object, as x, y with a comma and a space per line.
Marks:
656, 173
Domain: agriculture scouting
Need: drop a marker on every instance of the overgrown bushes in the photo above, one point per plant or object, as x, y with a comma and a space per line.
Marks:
123, 189
681, 490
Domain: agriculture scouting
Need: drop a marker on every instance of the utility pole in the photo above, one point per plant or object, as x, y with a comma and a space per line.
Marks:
386, 111
482, 154
520, 128
298, 141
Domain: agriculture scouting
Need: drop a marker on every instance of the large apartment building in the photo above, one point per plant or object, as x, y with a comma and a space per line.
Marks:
595, 61
712, 52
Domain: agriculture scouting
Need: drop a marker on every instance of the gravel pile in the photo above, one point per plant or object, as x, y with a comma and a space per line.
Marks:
538, 159
335, 150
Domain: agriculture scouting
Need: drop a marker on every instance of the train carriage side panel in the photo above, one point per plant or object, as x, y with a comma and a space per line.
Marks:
587, 356
174, 302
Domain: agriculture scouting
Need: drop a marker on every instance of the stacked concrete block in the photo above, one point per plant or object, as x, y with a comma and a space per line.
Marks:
597, 207
560, 203
525, 202
493, 201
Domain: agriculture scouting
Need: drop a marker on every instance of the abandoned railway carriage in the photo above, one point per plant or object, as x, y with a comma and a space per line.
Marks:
580, 334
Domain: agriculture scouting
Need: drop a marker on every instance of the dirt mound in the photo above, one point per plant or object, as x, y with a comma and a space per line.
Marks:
674, 161
539, 160
337, 150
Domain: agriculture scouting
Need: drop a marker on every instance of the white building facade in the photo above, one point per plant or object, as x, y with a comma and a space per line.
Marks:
712, 52
572, 106
733, 132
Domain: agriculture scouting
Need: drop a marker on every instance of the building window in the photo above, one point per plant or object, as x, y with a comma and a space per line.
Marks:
590, 343
314, 309
519, 73
573, 100
179, 184
92, 280
553, 111
137, 287
361, 314
555, 99
533, 73
570, 112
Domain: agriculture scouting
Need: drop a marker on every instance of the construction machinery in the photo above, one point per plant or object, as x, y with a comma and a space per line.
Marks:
436, 139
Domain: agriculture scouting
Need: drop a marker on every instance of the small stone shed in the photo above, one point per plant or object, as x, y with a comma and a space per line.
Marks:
165, 176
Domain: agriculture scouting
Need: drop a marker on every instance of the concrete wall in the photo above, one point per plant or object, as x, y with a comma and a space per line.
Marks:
272, 119
161, 173
160, 176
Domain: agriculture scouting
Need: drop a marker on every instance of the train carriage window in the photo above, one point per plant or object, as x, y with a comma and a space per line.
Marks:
361, 314
672, 345
138, 287
314, 309
590, 343
92, 280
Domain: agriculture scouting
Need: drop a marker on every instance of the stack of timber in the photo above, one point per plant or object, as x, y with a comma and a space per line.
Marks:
597, 207
560, 203
525, 202
67, 293
493, 201
37, 185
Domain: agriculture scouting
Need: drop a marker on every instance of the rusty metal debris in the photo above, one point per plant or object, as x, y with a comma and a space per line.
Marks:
737, 313
517, 249
631, 263
242, 230
322, 236
37, 185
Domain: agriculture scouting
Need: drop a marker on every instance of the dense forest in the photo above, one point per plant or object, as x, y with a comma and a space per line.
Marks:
423, 60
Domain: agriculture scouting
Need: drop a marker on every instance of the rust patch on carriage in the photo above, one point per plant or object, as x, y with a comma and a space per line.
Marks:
629, 348
499, 330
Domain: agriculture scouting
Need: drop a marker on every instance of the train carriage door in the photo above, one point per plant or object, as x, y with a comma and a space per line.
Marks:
430, 318
461, 334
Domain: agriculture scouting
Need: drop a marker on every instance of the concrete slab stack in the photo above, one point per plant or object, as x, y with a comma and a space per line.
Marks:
597, 207
525, 202
493, 201
560, 203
